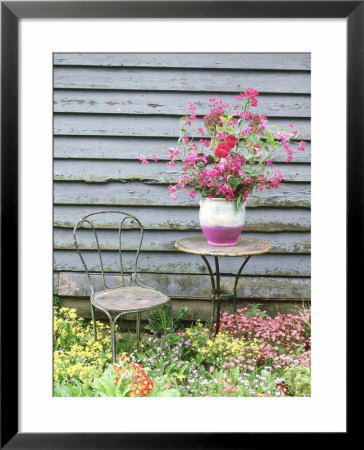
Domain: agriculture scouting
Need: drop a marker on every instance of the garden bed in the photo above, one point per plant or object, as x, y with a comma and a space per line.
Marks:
269, 357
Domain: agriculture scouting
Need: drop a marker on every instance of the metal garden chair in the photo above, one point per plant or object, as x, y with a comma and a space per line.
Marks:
122, 299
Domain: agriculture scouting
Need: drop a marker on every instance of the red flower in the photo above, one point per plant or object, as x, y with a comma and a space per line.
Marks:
231, 140
222, 150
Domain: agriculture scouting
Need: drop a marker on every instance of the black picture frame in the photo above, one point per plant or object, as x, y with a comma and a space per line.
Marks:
11, 12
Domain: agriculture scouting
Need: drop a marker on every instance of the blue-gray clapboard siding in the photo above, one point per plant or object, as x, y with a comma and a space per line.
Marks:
109, 108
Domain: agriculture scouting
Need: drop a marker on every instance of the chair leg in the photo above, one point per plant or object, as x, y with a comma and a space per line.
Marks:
94, 321
138, 326
112, 331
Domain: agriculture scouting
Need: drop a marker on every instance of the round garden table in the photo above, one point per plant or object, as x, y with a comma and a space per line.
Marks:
246, 247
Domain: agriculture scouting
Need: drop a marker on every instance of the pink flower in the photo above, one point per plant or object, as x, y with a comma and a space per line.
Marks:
142, 159
192, 109
251, 94
301, 147
288, 151
282, 135
205, 142
154, 157
185, 139
173, 190
244, 115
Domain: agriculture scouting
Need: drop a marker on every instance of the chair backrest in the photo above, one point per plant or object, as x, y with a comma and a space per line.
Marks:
94, 222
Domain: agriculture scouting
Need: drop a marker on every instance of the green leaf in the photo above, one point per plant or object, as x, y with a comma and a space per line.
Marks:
234, 182
169, 393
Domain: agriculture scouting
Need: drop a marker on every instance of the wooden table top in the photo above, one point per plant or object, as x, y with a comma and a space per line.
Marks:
198, 245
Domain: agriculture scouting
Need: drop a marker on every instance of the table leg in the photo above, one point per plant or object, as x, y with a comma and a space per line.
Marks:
213, 308
213, 292
218, 294
235, 294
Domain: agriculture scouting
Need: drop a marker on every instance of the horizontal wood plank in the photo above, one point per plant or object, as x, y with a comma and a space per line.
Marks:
157, 262
272, 61
169, 103
198, 309
164, 240
181, 80
108, 171
75, 284
134, 193
144, 126
183, 218
98, 147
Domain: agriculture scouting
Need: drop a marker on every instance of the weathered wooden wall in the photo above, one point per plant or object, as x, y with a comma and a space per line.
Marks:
109, 108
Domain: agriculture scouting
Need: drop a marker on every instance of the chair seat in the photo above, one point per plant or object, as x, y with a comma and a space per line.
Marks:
129, 299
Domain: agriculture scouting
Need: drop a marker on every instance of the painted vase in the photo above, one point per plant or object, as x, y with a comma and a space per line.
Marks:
221, 221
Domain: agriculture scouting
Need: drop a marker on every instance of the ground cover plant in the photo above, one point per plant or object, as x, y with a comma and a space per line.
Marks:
268, 357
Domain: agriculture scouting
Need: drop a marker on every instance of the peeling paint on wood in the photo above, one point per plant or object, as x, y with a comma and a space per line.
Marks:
162, 103
126, 148
133, 194
159, 262
108, 171
197, 309
143, 126
164, 240
74, 284
180, 80
114, 107
275, 61
186, 218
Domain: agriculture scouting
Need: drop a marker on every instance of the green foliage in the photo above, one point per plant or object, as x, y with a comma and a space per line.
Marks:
57, 301
161, 322
72, 388
298, 379
254, 309
106, 387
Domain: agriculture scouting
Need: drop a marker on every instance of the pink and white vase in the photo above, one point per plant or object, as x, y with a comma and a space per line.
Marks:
221, 221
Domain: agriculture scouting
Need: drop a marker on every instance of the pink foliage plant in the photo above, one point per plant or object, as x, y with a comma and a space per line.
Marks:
232, 155
283, 340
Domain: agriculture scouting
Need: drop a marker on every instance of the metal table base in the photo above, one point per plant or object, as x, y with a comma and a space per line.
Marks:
218, 294
246, 247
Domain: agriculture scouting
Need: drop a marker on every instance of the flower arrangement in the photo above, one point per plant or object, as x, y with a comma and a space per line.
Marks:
232, 155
